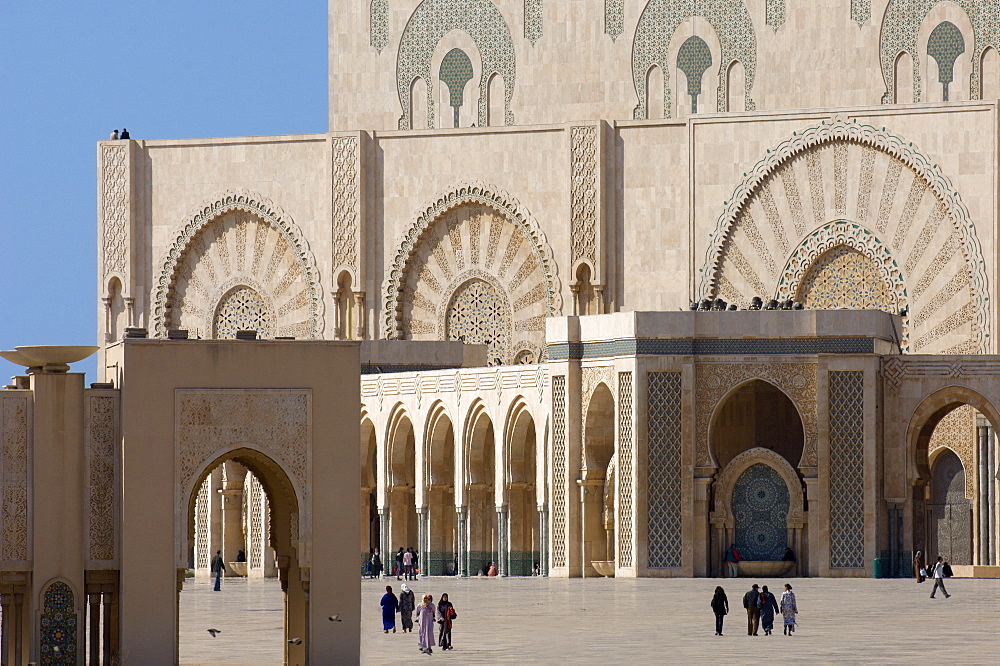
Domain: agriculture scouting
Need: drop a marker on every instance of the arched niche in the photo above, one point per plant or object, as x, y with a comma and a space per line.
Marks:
521, 491
757, 414
439, 493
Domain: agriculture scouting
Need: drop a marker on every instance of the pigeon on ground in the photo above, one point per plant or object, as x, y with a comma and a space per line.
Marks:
214, 632
295, 641
335, 618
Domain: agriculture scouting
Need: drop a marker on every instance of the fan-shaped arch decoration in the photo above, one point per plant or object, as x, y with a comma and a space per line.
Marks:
239, 243
478, 238
657, 25
844, 183
429, 23
901, 25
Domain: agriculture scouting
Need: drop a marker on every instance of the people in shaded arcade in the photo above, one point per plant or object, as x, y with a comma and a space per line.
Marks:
768, 606
390, 606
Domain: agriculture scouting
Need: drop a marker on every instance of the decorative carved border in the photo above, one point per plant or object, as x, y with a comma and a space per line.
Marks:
880, 139
855, 237
429, 23
265, 209
15, 425
659, 21
584, 197
102, 433
116, 194
462, 193
715, 381
345, 201
726, 480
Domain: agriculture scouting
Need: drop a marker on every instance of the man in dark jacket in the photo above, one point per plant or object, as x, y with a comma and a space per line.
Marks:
753, 613
218, 566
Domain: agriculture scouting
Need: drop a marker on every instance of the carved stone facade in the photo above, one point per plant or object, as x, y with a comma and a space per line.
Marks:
16, 429
102, 475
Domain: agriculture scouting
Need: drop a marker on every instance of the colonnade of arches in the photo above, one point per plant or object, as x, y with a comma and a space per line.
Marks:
463, 490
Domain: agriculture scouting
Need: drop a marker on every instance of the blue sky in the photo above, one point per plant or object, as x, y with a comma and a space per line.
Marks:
70, 72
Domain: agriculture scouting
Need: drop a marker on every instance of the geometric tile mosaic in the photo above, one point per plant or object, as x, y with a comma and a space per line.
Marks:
664, 469
626, 479
847, 469
58, 625
760, 507
559, 471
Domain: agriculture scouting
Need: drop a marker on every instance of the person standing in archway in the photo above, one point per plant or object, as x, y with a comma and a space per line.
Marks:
218, 566
732, 561
918, 566
376, 564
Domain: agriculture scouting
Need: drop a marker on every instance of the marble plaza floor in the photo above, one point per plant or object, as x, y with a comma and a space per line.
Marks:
540, 620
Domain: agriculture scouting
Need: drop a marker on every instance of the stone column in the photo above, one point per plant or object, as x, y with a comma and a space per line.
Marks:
503, 540
704, 557
338, 325
359, 315
994, 475
129, 311
107, 319
232, 514
462, 540
983, 493
383, 538
423, 547
543, 540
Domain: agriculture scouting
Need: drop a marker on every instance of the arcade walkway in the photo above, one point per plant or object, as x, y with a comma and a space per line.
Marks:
642, 620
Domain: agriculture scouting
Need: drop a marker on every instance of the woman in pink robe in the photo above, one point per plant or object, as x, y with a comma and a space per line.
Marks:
425, 617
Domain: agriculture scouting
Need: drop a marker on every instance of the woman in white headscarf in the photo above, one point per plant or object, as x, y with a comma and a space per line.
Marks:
407, 603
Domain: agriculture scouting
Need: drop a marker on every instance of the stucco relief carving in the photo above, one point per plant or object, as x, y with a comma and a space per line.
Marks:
115, 193
957, 431
590, 377
102, 417
15, 478
725, 481
583, 193
276, 422
473, 231
714, 381
268, 251
889, 202
896, 370
345, 202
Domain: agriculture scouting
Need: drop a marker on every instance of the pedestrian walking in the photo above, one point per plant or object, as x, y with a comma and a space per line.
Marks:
407, 563
938, 576
407, 603
732, 561
768, 606
753, 613
390, 606
720, 606
918, 566
425, 618
218, 566
788, 609
446, 614
376, 564
399, 563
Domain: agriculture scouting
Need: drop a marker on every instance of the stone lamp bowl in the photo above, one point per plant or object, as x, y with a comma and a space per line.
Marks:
17, 358
764, 568
55, 358
605, 568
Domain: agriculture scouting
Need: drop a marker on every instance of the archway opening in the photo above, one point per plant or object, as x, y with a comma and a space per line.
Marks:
757, 414
599, 449
244, 511
955, 506
522, 498
370, 528
402, 508
440, 556
479, 490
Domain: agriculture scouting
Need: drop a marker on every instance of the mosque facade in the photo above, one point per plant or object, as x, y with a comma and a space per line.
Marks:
555, 182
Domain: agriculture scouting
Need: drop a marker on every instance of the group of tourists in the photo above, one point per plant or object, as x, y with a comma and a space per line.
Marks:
425, 611
406, 565
761, 607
